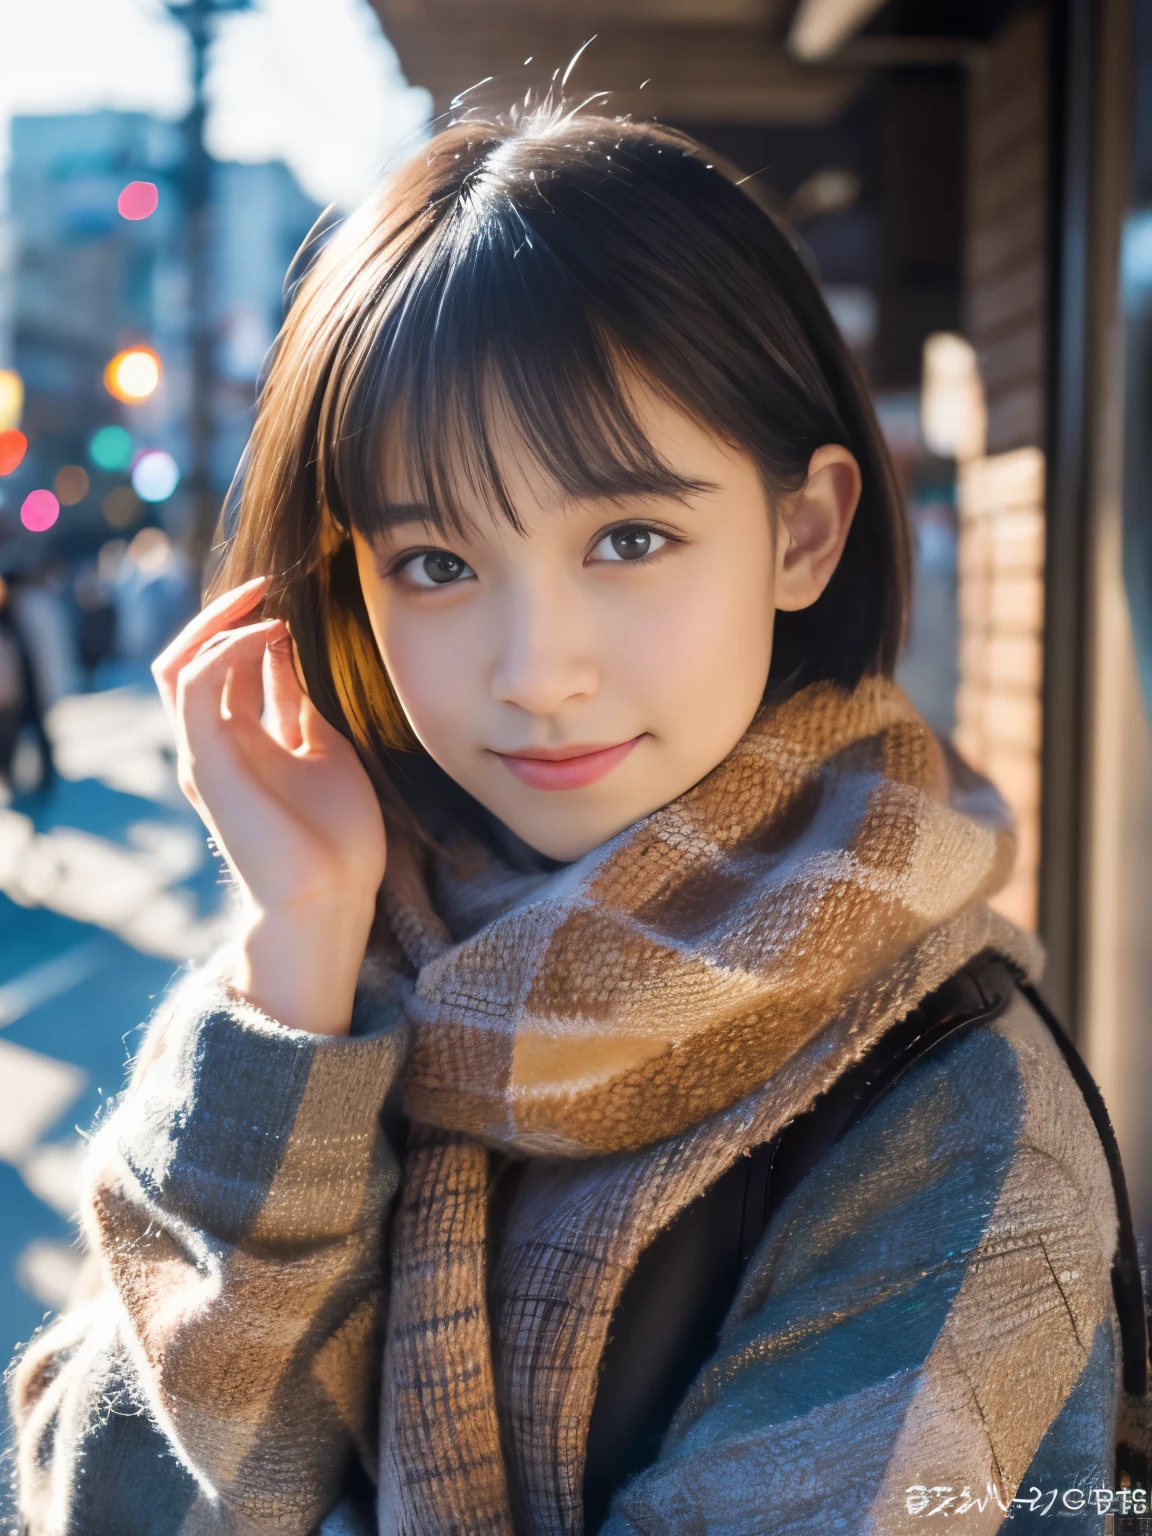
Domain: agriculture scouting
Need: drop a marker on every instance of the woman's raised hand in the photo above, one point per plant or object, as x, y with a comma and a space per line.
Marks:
288, 804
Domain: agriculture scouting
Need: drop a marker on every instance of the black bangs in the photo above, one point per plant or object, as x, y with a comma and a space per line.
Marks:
496, 313
504, 304
487, 347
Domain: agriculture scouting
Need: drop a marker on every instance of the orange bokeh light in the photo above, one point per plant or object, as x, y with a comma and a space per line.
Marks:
13, 447
133, 375
11, 399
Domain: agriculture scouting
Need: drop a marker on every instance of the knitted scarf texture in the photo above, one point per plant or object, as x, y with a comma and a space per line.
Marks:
632, 1025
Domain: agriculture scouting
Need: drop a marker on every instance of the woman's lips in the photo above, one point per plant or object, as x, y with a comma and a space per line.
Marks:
565, 767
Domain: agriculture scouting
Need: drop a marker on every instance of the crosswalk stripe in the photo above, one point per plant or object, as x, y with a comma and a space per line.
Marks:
35, 1091
49, 980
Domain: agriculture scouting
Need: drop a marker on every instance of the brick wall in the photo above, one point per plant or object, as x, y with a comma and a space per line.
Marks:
1001, 500
1007, 230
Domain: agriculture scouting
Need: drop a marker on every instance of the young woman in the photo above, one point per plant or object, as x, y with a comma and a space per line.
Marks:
523, 1164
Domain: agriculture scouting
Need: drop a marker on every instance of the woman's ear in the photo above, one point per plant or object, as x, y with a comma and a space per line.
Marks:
812, 525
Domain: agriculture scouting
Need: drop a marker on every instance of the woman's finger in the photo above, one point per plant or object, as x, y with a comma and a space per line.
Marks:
218, 615
200, 685
207, 723
243, 700
283, 694
315, 731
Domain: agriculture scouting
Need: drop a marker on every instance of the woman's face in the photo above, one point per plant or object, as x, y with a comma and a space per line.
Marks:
585, 671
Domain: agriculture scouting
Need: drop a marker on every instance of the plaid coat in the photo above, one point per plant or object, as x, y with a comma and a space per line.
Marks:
927, 1323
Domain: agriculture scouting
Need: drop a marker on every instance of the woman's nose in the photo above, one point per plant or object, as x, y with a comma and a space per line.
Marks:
544, 659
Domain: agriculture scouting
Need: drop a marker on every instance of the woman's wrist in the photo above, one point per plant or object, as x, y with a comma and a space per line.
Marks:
300, 966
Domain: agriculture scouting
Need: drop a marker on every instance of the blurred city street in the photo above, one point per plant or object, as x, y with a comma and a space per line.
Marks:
107, 887
160, 166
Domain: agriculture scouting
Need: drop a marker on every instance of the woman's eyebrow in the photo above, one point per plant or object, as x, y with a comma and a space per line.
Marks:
681, 491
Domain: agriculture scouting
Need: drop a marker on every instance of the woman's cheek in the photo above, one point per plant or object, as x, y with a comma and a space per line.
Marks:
428, 672
705, 648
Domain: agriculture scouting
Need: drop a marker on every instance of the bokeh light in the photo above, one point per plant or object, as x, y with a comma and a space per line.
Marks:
132, 375
138, 200
13, 447
71, 484
110, 448
11, 399
155, 475
122, 507
40, 511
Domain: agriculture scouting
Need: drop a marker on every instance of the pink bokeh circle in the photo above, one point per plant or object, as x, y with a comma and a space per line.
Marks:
40, 511
138, 200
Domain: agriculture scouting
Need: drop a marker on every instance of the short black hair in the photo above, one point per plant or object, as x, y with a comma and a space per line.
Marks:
559, 248
533, 260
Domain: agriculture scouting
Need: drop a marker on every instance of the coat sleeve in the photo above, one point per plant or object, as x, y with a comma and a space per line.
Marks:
221, 1378
927, 1327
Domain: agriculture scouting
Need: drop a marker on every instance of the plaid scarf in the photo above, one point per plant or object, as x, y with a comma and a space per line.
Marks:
633, 1024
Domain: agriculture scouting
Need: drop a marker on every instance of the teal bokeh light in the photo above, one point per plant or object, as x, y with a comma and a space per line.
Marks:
110, 448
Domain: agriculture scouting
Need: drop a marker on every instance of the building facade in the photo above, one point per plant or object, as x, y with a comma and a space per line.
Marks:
85, 283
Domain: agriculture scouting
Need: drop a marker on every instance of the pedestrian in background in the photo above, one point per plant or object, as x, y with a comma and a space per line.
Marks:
21, 693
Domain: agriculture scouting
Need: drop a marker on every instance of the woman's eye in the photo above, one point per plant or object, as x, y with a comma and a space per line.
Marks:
435, 568
631, 543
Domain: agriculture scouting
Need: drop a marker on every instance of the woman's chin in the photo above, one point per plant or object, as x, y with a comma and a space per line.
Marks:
567, 823
568, 832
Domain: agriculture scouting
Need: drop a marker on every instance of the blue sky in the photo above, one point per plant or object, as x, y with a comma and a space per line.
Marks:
310, 82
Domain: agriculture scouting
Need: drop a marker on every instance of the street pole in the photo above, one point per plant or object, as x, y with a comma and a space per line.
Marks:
196, 17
